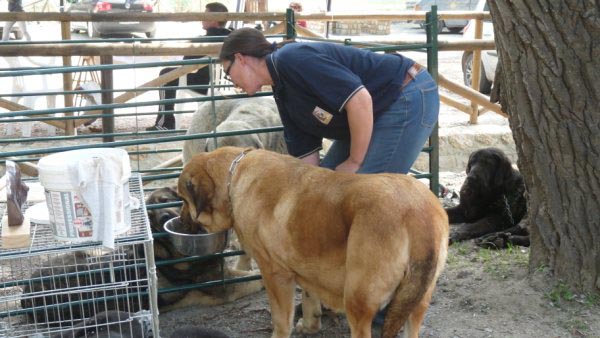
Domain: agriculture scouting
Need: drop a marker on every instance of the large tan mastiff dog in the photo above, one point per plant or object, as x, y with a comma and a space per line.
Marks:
357, 242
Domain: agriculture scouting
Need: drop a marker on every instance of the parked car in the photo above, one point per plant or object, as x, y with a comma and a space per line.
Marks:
15, 30
97, 29
489, 58
454, 26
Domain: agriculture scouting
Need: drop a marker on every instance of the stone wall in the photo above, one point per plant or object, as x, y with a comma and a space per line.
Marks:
360, 27
455, 148
317, 26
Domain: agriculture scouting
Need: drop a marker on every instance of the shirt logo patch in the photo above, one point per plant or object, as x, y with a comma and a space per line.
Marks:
322, 115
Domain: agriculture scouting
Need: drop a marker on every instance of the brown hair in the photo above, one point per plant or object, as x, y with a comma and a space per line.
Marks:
246, 41
215, 7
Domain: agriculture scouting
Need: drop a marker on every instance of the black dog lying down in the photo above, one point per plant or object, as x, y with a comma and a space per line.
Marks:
492, 202
77, 285
69, 287
110, 324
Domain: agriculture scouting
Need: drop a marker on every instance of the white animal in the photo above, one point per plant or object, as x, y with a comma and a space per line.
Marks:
232, 115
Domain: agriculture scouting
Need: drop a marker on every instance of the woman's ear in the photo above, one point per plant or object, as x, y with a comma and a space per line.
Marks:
238, 57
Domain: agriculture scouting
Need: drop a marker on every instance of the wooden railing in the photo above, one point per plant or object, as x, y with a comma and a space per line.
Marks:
182, 48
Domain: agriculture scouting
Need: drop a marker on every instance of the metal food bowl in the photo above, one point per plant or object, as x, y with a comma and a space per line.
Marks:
195, 244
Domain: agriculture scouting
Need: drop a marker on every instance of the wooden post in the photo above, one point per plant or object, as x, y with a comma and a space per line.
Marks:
476, 71
65, 28
257, 6
108, 122
470, 94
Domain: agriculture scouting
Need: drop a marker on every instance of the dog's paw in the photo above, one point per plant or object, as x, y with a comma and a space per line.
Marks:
456, 235
308, 328
497, 240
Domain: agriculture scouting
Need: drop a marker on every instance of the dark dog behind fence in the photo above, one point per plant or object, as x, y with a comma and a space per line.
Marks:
77, 286
198, 271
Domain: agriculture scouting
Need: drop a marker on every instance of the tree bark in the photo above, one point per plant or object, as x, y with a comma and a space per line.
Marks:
550, 56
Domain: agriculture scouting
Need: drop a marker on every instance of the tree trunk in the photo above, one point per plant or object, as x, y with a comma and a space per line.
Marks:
550, 55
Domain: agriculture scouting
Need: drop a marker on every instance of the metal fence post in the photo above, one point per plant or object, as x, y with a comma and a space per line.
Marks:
431, 21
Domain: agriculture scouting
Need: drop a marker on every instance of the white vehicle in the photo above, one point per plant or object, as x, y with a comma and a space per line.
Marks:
453, 25
489, 58
99, 28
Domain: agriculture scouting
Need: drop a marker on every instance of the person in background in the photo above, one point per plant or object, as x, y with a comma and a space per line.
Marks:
15, 6
378, 108
166, 121
297, 7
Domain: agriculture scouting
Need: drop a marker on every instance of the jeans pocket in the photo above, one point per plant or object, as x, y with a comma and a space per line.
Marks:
431, 106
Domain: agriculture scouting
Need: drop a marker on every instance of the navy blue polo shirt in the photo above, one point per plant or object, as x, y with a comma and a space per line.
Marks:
312, 82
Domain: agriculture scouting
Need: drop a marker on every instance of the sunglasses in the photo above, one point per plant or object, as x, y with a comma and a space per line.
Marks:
227, 77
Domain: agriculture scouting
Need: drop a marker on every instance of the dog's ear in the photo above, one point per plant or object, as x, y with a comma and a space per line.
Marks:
195, 196
470, 162
176, 194
173, 195
151, 214
151, 200
504, 171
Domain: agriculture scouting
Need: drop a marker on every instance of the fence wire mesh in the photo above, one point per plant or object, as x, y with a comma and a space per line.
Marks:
62, 289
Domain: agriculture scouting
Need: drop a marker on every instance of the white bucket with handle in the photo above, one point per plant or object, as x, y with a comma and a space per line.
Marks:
87, 194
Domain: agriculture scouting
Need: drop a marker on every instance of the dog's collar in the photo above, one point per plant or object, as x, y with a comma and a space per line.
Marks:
234, 164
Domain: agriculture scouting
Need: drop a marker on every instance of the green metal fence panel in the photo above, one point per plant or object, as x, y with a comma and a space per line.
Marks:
135, 139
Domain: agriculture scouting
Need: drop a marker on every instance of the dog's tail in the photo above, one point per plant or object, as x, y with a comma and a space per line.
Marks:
412, 296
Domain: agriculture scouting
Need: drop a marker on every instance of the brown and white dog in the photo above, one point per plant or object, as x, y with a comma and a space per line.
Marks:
357, 242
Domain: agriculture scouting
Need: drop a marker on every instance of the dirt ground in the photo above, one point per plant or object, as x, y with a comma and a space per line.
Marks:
481, 293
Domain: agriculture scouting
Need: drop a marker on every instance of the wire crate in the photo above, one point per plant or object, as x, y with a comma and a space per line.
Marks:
62, 289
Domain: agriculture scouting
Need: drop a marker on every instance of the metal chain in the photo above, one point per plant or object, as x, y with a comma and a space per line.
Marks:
507, 209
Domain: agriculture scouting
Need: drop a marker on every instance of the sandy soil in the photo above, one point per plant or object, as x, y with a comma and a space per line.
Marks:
481, 294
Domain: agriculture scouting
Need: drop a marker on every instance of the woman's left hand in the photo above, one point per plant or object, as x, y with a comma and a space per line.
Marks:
348, 166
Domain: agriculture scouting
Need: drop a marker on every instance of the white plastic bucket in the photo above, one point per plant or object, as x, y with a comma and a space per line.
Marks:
70, 216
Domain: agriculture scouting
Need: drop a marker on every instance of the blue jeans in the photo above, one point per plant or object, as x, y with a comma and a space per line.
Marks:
399, 133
